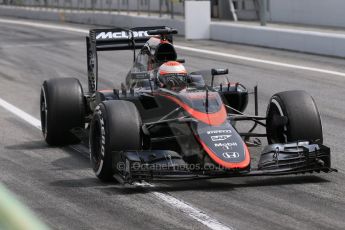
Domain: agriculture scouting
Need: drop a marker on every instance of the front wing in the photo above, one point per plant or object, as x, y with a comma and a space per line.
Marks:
276, 159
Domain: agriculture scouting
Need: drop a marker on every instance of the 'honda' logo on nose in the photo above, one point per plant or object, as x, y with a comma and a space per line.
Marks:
229, 155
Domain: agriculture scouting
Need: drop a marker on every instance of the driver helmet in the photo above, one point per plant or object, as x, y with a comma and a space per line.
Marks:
172, 75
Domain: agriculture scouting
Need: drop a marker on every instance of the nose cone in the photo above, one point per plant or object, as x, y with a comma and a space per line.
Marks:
224, 145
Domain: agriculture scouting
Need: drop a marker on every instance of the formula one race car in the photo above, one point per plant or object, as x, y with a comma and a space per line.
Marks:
166, 123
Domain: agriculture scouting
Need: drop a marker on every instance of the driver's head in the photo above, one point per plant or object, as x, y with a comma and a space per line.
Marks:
172, 75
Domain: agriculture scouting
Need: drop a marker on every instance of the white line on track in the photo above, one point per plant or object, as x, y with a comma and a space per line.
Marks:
17, 46
187, 209
194, 213
262, 61
20, 113
44, 26
180, 205
196, 50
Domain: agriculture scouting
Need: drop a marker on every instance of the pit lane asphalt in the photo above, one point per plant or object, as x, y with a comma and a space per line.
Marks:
58, 184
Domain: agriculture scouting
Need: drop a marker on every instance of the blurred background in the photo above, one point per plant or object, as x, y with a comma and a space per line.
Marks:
304, 12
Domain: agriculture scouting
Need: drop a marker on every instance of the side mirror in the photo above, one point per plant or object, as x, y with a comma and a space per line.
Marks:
162, 31
140, 76
219, 71
216, 72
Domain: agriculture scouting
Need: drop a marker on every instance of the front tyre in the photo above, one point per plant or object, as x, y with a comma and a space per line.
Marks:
62, 109
115, 127
293, 116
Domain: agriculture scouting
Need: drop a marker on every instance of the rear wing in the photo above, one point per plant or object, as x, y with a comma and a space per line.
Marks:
121, 39
114, 39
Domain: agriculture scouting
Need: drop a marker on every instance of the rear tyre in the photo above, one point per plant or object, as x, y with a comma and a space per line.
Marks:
116, 126
62, 109
293, 116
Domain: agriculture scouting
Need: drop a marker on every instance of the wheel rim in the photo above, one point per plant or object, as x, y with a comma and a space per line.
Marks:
276, 134
96, 146
44, 113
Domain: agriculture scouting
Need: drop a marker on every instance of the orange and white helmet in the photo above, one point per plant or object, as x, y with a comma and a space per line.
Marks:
172, 74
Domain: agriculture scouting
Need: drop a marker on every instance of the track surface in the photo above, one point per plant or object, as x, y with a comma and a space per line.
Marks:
58, 184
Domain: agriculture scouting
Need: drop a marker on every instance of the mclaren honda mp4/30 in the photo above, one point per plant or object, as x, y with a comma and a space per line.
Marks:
173, 125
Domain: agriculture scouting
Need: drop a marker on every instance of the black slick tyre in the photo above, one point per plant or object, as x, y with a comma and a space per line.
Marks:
293, 116
115, 127
62, 109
